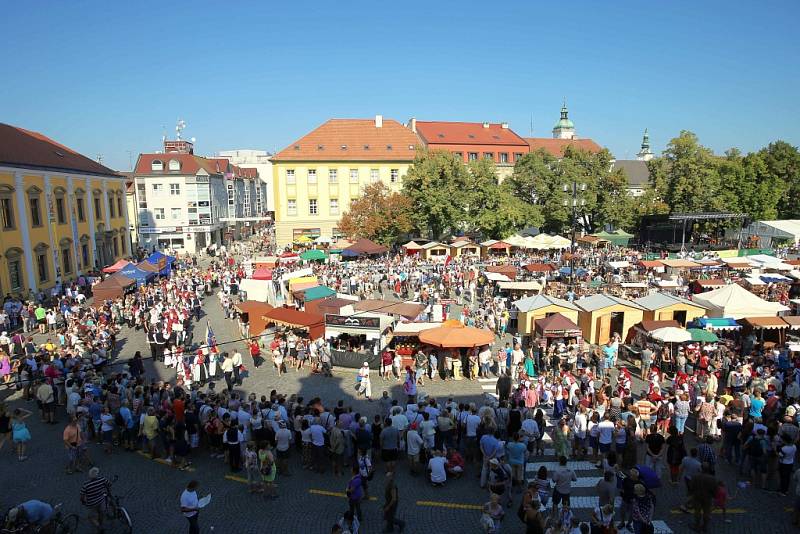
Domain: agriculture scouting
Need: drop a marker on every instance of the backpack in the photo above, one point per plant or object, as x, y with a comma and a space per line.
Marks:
663, 411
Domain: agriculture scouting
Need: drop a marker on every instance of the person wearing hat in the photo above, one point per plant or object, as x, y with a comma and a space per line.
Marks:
32, 513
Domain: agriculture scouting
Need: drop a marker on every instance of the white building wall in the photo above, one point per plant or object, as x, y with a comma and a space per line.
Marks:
255, 159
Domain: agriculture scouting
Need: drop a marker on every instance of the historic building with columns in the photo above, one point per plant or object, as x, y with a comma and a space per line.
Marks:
62, 214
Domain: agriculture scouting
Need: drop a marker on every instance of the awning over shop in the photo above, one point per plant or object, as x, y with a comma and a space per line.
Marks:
497, 277
680, 264
735, 301
364, 247
520, 286
370, 325
255, 314
792, 320
315, 324
119, 265
767, 323
262, 273
717, 323
409, 310
453, 334
509, 270
539, 268
318, 292
111, 288
297, 274
265, 261
304, 282
557, 325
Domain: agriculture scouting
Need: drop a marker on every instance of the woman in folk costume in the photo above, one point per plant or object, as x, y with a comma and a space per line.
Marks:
654, 377
168, 361
185, 370
199, 369
623, 382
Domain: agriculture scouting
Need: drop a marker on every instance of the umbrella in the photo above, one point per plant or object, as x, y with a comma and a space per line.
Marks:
453, 334
313, 255
704, 336
671, 334
304, 239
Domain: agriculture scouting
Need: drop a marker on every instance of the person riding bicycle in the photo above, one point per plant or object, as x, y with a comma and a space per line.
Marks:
30, 513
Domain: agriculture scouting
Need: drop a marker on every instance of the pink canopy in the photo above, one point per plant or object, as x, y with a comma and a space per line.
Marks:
121, 264
262, 273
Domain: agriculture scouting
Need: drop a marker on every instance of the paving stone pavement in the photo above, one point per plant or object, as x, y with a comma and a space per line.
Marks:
310, 502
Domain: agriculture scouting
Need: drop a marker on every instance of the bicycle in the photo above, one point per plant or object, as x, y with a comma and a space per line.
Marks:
59, 524
116, 512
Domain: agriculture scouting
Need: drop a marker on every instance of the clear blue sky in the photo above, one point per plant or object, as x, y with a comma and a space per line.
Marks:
106, 77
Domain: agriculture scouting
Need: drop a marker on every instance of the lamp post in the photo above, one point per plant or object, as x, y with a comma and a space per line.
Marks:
574, 190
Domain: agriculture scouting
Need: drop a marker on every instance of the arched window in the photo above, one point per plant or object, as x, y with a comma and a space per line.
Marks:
174, 165
157, 165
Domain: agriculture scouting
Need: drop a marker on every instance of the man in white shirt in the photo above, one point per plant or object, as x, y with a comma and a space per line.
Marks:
318, 442
190, 506
436, 468
237, 363
605, 434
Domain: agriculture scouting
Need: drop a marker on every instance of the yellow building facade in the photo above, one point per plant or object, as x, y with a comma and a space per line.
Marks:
316, 178
56, 223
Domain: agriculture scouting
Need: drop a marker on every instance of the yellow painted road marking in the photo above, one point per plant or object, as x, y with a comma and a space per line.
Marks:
162, 461
333, 494
450, 505
714, 511
237, 479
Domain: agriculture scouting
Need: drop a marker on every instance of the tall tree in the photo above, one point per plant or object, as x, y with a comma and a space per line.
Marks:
379, 214
537, 180
437, 184
782, 162
686, 177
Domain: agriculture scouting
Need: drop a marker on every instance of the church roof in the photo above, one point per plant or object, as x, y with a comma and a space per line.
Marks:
636, 170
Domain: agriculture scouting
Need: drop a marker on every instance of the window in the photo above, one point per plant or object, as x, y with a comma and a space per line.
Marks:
158, 189
290, 176
394, 174
15, 273
36, 211
291, 207
97, 208
85, 254
459, 155
312, 176
123, 243
119, 206
503, 157
312, 206
81, 211
488, 155
175, 214
332, 176
517, 156
334, 206
66, 260
157, 165
41, 266
141, 193
159, 214
174, 165
115, 246
473, 156
174, 189
110, 208
61, 215
374, 175
7, 209
353, 176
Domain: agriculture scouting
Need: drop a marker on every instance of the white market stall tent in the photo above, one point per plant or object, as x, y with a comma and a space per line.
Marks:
770, 231
260, 290
735, 301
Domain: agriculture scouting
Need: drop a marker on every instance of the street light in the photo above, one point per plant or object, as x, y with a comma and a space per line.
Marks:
574, 190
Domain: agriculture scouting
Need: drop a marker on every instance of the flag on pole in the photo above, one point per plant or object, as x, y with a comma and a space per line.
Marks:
447, 260
211, 340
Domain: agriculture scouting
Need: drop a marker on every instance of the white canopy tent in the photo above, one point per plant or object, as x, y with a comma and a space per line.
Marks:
769, 231
735, 301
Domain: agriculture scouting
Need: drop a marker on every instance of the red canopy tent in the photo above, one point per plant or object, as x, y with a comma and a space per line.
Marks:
539, 268
366, 246
111, 288
508, 270
314, 323
121, 264
262, 273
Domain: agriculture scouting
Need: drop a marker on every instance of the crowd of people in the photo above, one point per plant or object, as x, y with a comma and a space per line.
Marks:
741, 401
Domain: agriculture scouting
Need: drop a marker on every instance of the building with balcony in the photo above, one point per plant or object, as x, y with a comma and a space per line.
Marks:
61, 213
316, 177
261, 161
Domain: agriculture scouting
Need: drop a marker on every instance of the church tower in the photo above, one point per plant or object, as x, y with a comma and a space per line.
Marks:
564, 129
645, 154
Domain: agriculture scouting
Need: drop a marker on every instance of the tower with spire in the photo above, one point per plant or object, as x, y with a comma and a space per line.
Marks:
645, 154
564, 128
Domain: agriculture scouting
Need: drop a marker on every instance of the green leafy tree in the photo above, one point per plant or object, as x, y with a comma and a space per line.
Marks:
379, 214
537, 180
782, 162
437, 184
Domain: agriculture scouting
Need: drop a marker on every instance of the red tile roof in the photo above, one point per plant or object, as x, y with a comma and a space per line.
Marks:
24, 148
556, 147
190, 164
466, 133
361, 139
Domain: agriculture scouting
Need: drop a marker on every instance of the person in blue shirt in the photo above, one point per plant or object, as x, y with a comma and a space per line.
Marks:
31, 512
756, 404
515, 454
491, 448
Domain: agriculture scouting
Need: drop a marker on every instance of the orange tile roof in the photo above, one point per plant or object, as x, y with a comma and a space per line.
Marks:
556, 147
353, 140
25, 148
190, 164
467, 133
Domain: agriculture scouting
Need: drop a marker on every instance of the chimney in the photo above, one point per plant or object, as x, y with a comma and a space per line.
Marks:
378, 121
485, 124
413, 124
504, 125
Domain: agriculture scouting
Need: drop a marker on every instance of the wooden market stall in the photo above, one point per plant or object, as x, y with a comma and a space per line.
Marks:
539, 307
660, 306
602, 315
